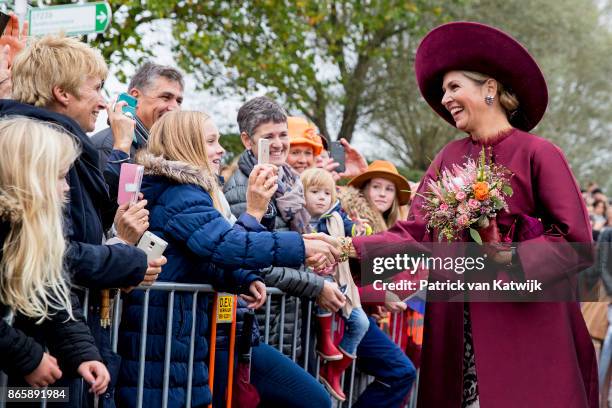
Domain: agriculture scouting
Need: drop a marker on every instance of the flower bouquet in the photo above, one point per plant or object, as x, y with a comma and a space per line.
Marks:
468, 197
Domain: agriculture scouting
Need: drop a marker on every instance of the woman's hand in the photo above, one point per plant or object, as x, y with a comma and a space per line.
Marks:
393, 303
330, 297
132, 221
258, 290
153, 271
321, 250
122, 127
354, 163
263, 183
96, 374
498, 253
6, 83
15, 40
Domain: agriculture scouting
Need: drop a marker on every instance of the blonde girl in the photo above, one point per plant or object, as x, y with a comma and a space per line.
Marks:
34, 161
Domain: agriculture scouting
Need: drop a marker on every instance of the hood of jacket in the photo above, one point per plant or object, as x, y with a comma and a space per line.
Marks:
176, 171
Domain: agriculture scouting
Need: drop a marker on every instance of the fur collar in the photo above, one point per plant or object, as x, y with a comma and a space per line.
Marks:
9, 209
354, 202
180, 172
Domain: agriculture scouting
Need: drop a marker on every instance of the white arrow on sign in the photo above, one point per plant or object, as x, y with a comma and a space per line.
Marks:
101, 17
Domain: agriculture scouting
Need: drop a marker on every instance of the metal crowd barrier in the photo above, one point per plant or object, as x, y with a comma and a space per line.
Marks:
357, 382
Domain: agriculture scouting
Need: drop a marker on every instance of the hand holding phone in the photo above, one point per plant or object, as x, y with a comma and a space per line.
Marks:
130, 180
152, 245
337, 153
132, 103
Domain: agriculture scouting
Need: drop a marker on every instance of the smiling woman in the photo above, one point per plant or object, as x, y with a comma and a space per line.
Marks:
385, 190
71, 85
547, 357
468, 96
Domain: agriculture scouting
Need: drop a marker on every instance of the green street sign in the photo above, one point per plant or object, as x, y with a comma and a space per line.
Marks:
71, 19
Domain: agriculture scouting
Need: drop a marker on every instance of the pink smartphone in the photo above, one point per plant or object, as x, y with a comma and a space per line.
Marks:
130, 180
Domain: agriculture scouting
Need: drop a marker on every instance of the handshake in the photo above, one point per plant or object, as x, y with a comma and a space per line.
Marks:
323, 251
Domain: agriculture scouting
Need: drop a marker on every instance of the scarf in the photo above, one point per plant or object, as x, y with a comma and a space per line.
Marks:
289, 198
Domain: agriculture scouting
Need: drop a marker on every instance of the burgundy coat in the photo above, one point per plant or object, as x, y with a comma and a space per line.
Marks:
527, 354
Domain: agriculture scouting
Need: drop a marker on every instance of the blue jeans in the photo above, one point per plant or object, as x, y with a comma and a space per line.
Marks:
392, 370
606, 351
355, 327
278, 380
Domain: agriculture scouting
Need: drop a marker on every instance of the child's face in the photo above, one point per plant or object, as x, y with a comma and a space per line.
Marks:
318, 200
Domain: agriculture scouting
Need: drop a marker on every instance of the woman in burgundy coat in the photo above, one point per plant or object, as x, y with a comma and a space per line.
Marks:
516, 354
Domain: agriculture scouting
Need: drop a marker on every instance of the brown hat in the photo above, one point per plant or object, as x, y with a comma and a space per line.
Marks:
386, 170
301, 132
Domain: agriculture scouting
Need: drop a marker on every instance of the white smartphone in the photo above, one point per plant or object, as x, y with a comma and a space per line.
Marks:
263, 151
153, 246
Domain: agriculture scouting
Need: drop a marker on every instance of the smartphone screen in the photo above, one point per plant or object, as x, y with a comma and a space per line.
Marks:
336, 152
4, 20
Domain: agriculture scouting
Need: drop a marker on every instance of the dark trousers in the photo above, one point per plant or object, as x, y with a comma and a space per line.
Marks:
392, 370
279, 381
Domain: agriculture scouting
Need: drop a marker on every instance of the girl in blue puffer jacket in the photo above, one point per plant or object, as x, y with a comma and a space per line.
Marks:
187, 210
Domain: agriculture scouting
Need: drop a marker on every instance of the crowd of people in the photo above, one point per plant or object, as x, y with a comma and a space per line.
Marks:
260, 227
295, 223
597, 310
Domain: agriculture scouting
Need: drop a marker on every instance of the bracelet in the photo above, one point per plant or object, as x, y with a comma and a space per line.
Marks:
345, 248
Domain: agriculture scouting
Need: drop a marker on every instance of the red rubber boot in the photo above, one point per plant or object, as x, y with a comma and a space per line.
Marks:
331, 375
325, 346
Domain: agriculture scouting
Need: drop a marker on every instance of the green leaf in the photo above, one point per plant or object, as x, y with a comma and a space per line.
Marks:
475, 236
507, 190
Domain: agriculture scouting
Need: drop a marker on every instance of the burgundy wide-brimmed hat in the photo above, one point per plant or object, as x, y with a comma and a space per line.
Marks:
468, 46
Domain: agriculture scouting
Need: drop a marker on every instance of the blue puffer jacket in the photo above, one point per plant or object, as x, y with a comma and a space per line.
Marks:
201, 243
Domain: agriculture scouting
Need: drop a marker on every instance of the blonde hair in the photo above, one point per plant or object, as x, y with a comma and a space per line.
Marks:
316, 177
393, 214
32, 276
179, 136
507, 99
54, 61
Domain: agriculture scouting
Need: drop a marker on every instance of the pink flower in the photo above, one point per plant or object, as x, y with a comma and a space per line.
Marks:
463, 209
473, 204
443, 207
463, 220
460, 196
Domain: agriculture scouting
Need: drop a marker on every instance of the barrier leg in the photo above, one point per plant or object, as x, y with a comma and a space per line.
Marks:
232, 345
213, 349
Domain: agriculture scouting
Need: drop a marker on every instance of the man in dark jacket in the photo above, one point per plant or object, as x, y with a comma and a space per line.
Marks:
158, 89
261, 117
59, 80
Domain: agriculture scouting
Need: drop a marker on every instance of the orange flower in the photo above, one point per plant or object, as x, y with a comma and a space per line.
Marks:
481, 190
